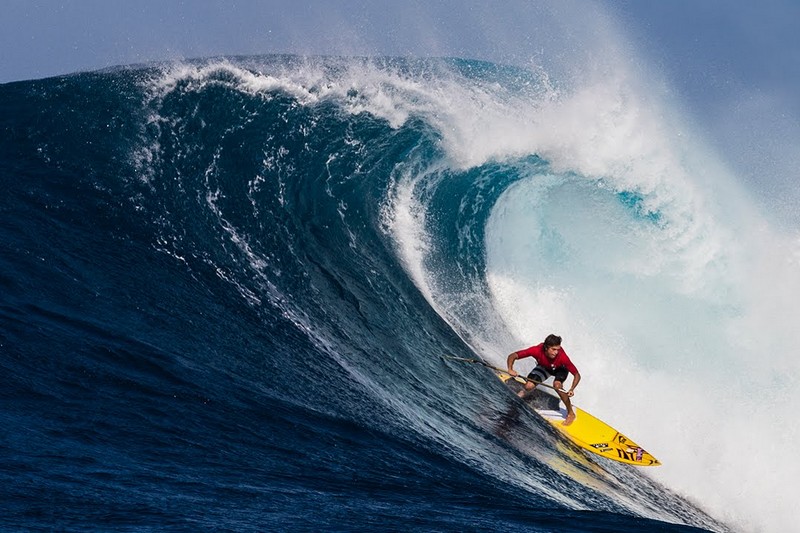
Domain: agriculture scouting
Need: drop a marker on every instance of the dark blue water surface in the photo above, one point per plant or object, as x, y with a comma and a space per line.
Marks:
205, 325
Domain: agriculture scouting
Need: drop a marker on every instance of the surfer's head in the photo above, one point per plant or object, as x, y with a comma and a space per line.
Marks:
552, 340
552, 344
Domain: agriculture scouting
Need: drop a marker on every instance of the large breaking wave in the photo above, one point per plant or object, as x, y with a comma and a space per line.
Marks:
315, 233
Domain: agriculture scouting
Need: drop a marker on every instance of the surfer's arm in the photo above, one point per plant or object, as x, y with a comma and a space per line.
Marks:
510, 362
576, 378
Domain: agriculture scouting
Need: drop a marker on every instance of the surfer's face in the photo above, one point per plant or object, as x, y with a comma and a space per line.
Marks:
552, 351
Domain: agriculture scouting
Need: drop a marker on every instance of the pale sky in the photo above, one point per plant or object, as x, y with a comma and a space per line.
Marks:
39, 38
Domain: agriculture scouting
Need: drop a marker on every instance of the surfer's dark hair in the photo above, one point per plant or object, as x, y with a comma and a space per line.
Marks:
552, 340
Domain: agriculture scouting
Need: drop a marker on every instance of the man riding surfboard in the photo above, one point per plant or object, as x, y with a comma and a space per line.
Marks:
551, 360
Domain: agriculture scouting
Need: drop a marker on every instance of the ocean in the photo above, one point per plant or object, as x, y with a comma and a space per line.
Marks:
228, 284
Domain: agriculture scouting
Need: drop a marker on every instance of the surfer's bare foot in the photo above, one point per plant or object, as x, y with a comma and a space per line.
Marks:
569, 420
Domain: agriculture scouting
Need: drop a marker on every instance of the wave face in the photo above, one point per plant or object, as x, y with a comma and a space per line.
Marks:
227, 286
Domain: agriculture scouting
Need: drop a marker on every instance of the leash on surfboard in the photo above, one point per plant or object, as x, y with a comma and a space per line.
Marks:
519, 378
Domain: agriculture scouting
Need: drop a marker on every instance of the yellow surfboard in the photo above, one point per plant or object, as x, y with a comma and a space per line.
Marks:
586, 431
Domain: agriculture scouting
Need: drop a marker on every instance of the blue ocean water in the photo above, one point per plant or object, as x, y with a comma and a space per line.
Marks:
227, 285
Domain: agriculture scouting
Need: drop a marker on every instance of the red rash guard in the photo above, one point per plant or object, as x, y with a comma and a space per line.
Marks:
538, 353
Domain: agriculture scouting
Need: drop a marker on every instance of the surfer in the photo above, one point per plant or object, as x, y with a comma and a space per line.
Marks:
551, 360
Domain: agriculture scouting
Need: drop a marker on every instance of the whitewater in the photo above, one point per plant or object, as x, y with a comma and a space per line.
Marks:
296, 241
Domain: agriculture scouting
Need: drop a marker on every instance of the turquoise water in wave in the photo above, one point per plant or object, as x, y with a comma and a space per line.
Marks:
227, 286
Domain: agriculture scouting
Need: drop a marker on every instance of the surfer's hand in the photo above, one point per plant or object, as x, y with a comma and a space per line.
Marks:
570, 393
513, 373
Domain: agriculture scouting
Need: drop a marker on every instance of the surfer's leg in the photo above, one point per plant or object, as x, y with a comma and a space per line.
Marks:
536, 376
529, 386
559, 385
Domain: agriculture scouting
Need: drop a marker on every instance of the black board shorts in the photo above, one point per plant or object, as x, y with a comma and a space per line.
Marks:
541, 373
